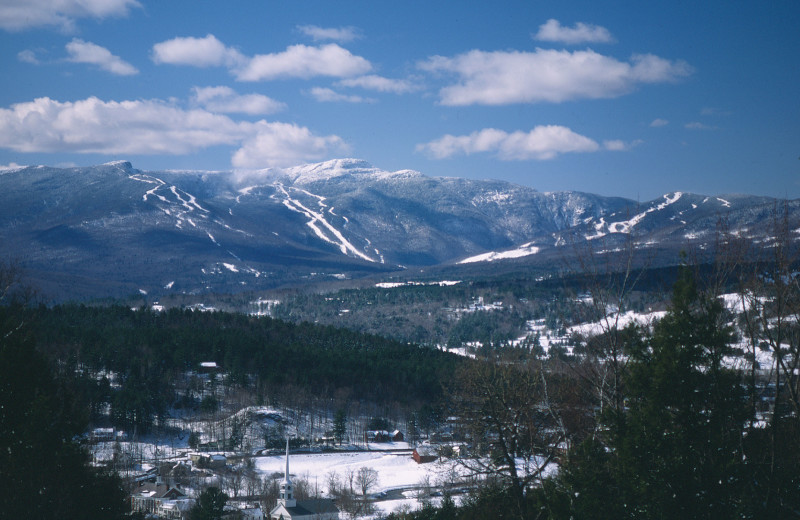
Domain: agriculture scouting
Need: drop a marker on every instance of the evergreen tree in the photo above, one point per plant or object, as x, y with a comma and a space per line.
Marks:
44, 472
340, 425
675, 450
210, 505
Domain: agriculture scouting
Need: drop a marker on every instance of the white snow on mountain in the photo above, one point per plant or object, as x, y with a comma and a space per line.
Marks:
317, 222
523, 250
625, 226
310, 173
172, 200
392, 285
618, 321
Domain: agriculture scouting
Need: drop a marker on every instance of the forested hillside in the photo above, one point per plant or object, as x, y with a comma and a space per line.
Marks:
128, 359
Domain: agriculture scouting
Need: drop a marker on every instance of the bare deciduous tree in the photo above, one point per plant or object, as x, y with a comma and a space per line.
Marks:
509, 422
366, 479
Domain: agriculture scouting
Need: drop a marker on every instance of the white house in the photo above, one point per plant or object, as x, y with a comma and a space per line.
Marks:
288, 508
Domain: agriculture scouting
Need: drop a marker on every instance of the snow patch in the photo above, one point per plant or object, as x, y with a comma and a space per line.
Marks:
620, 321
392, 285
524, 250
317, 222
625, 226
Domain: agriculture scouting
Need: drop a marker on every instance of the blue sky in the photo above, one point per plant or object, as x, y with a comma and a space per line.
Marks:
634, 99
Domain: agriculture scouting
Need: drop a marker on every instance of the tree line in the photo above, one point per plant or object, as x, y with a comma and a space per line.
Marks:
143, 352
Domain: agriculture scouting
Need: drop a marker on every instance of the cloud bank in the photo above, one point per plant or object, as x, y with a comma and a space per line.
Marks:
554, 76
154, 127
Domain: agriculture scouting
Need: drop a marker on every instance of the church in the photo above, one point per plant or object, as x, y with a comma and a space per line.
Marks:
288, 508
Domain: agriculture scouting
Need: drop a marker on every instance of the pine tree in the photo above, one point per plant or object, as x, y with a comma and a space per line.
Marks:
340, 425
674, 451
44, 472
210, 505
678, 442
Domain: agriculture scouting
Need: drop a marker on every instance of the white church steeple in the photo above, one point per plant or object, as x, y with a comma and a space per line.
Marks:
287, 496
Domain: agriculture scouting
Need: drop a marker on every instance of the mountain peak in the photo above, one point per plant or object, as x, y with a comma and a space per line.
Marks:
307, 173
121, 164
315, 172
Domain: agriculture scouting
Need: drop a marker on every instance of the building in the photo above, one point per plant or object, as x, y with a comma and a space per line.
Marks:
424, 453
208, 461
288, 508
102, 435
376, 436
160, 500
208, 367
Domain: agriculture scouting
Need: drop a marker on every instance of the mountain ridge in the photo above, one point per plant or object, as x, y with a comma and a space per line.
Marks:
131, 230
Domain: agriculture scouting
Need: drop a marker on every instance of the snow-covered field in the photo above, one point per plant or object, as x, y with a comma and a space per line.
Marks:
395, 470
399, 476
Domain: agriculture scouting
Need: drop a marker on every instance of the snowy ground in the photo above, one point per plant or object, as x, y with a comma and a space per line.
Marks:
400, 478
395, 470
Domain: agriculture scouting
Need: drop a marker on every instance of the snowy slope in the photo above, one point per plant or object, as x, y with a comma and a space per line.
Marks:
113, 230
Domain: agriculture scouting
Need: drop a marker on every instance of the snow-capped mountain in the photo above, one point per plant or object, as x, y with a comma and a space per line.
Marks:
114, 230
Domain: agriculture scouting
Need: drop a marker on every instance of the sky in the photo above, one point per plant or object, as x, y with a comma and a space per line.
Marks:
628, 98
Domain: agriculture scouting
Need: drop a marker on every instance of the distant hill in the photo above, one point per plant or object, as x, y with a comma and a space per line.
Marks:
112, 230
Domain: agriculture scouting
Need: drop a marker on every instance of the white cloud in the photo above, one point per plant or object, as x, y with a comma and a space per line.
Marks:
11, 166
500, 78
197, 52
541, 143
553, 31
301, 61
380, 84
283, 144
657, 122
152, 127
617, 145
326, 95
17, 15
28, 56
88, 52
95, 126
339, 34
297, 61
225, 100
696, 125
